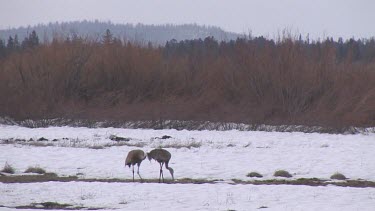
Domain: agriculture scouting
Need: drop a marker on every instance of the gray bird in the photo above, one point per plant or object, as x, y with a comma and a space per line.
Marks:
135, 157
162, 156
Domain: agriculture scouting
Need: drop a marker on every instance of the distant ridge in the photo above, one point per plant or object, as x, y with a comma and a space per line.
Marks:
141, 33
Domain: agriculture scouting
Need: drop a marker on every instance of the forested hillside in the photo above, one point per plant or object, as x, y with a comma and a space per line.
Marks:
139, 33
250, 80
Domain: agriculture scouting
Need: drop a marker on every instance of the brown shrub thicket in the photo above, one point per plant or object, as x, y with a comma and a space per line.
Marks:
250, 81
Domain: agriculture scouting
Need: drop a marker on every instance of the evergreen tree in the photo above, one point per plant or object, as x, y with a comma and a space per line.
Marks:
16, 42
31, 41
34, 39
10, 45
108, 37
2, 48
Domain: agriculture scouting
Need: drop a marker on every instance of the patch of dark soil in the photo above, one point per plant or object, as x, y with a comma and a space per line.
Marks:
118, 138
356, 183
55, 206
310, 182
46, 206
300, 181
48, 177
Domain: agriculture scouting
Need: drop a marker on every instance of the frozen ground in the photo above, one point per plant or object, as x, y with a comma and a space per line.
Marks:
225, 155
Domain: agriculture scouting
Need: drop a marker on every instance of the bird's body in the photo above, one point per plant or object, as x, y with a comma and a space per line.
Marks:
135, 157
162, 156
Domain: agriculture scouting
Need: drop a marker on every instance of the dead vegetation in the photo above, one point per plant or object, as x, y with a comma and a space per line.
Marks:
119, 138
75, 143
35, 169
8, 169
282, 173
254, 174
338, 176
253, 80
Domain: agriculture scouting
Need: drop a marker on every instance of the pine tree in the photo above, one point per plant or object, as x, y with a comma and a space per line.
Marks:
34, 39
108, 37
2, 48
31, 41
16, 42
10, 45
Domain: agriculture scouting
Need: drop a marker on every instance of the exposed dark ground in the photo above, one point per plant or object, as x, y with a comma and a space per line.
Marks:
301, 181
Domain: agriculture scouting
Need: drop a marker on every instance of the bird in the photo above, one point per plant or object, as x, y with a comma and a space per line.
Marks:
162, 156
135, 157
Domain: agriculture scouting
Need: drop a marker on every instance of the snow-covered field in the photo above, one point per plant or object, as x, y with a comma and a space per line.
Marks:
138, 196
226, 155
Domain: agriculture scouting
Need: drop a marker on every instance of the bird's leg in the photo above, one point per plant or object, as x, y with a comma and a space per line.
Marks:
138, 172
161, 171
133, 172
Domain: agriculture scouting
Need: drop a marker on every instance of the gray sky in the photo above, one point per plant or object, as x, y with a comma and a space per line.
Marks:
345, 18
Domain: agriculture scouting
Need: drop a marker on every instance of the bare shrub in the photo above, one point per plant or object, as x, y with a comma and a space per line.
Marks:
250, 80
35, 169
8, 169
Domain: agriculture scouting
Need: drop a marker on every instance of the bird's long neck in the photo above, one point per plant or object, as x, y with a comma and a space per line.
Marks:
170, 170
166, 165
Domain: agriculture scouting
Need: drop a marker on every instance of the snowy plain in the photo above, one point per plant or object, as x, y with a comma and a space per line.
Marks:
226, 155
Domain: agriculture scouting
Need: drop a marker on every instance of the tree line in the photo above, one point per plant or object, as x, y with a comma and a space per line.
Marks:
157, 34
13, 44
251, 80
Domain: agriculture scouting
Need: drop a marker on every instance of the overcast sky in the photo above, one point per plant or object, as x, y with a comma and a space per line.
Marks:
345, 18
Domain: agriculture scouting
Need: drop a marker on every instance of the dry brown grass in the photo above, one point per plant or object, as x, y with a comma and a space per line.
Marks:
35, 169
282, 173
338, 176
284, 82
8, 169
254, 174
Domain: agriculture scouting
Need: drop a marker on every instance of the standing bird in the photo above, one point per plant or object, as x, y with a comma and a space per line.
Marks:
135, 157
161, 156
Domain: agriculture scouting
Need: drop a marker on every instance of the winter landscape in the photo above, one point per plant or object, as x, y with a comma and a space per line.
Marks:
187, 105
210, 167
